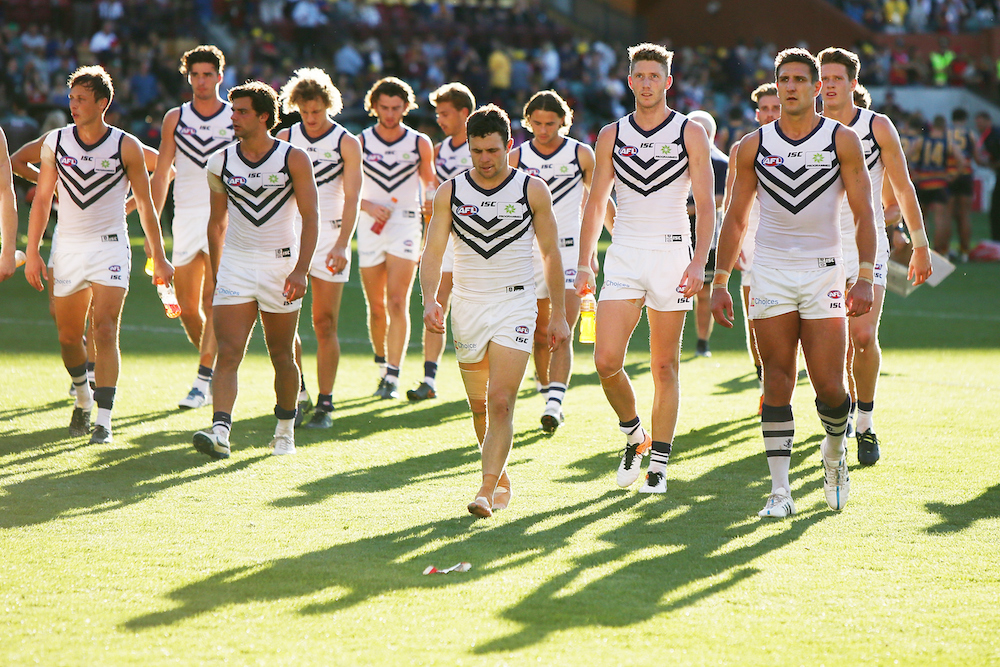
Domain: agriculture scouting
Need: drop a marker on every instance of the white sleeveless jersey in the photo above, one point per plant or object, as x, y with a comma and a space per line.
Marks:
652, 182
328, 167
92, 188
452, 160
862, 125
493, 237
561, 171
800, 193
391, 169
197, 137
261, 201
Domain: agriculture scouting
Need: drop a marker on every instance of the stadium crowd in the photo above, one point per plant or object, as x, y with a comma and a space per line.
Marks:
502, 52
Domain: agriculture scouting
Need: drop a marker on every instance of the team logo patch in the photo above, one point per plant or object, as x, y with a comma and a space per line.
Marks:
667, 152
532, 171
373, 157
626, 151
468, 209
408, 243
187, 131
819, 159
236, 181
67, 161
521, 329
115, 268
772, 161
834, 294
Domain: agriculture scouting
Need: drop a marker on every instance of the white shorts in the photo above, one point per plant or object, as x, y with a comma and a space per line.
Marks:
400, 238
881, 259
329, 232
650, 274
817, 294
245, 278
745, 277
448, 259
74, 271
569, 252
190, 228
508, 322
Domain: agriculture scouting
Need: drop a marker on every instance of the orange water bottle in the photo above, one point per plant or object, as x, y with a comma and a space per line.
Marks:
19, 258
169, 300
379, 225
588, 316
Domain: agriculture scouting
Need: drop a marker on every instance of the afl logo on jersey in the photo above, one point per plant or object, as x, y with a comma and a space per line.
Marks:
187, 131
532, 171
236, 181
626, 151
67, 161
373, 157
772, 161
521, 329
468, 209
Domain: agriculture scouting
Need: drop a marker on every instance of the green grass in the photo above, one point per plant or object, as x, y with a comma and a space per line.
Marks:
145, 552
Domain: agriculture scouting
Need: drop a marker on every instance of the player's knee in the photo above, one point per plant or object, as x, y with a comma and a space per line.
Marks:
325, 326
397, 304
500, 404
665, 372
477, 405
864, 337
606, 363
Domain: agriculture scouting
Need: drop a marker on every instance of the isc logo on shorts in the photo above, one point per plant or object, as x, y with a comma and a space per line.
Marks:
67, 161
468, 209
834, 294
521, 329
626, 151
772, 161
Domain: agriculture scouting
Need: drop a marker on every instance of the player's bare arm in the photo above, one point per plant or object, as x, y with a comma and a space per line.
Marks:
596, 210
734, 226
8, 214
587, 164
898, 177
858, 186
38, 218
438, 231
703, 188
218, 221
23, 161
307, 199
134, 164
428, 179
350, 153
544, 223
160, 182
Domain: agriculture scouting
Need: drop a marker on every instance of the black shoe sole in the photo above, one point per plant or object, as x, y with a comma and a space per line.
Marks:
205, 445
549, 423
414, 395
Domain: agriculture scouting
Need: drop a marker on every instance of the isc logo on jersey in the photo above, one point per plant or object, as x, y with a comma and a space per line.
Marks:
236, 181
626, 151
67, 161
468, 209
772, 161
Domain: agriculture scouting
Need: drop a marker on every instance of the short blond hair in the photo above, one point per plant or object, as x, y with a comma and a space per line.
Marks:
311, 83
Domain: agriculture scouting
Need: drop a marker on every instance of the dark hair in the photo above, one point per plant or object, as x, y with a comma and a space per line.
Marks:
797, 55
206, 53
862, 98
838, 56
959, 114
487, 120
456, 94
390, 86
549, 100
650, 51
263, 99
763, 90
95, 79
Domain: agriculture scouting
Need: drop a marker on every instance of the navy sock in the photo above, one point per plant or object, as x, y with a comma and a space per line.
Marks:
324, 402
430, 369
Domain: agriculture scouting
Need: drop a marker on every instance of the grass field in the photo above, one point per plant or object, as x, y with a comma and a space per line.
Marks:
146, 552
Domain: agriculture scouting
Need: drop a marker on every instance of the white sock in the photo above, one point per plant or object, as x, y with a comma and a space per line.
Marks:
103, 418
285, 427
556, 393
834, 449
429, 381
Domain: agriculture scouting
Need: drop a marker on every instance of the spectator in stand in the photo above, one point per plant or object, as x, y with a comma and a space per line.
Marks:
104, 44
989, 151
895, 15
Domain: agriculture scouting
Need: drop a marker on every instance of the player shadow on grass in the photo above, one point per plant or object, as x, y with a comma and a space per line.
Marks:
702, 538
364, 420
122, 474
958, 517
10, 414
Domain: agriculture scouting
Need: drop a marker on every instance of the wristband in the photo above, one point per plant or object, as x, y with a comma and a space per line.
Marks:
919, 238
585, 269
866, 272
725, 279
